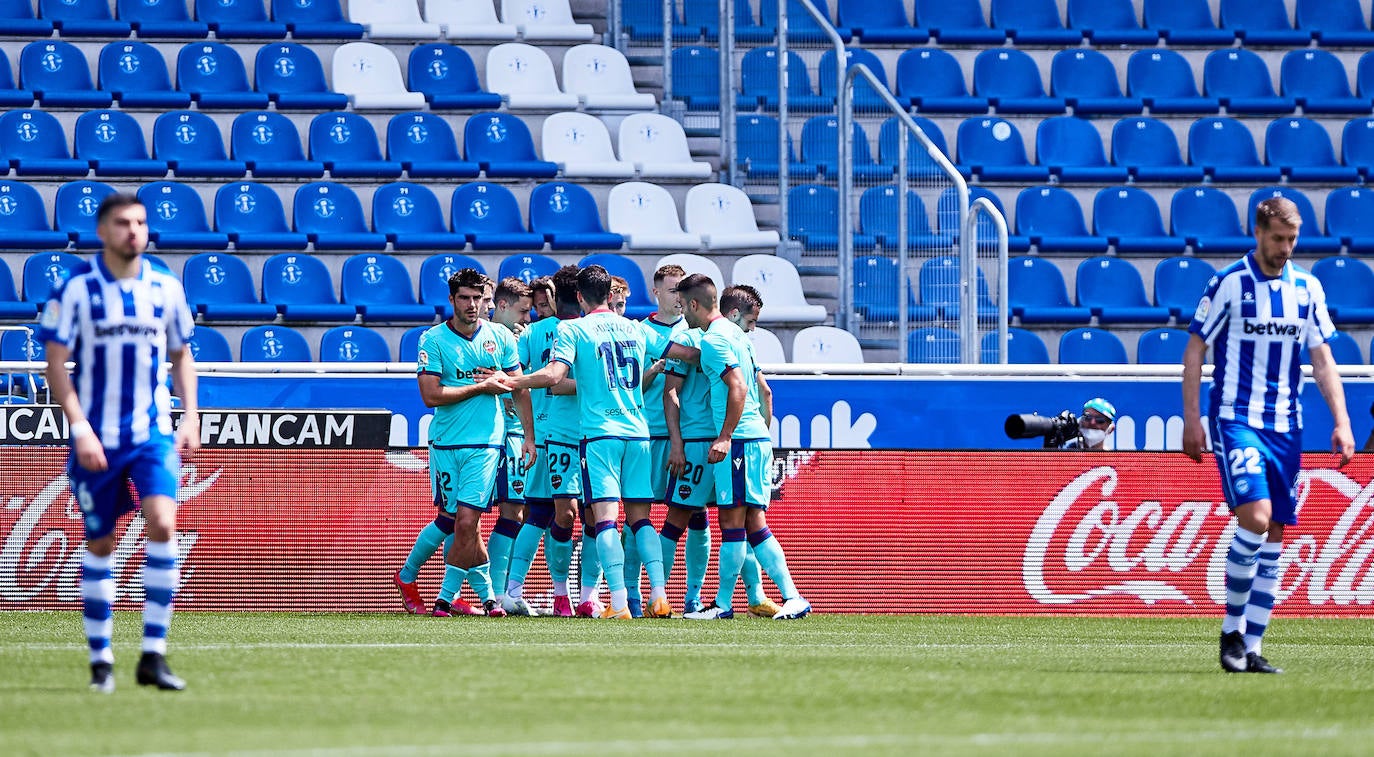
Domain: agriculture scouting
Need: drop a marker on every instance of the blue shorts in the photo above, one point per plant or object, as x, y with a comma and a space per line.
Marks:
463, 477
658, 457
746, 476
694, 488
153, 468
511, 478
565, 469
617, 470
1258, 464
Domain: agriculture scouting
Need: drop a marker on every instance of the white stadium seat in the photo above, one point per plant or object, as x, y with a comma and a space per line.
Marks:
371, 77
657, 146
780, 286
523, 75
600, 76
646, 216
825, 344
545, 20
724, 218
767, 346
694, 264
468, 20
581, 145
392, 19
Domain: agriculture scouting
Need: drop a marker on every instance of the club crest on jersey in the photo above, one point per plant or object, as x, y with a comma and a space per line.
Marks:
556, 480
518, 486
490, 347
684, 491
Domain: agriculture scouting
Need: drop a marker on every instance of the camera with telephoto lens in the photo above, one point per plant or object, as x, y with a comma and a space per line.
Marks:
1057, 430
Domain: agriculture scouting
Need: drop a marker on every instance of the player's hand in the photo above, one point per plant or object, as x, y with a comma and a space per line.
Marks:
188, 435
90, 453
1343, 444
1195, 439
720, 449
529, 450
497, 383
677, 460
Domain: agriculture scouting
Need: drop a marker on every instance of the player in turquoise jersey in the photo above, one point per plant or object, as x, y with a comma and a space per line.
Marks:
740, 456
556, 478
463, 365
606, 355
541, 297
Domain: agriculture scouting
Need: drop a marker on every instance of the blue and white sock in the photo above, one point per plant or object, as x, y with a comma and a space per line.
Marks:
97, 601
428, 540
1240, 576
160, 581
1262, 594
771, 559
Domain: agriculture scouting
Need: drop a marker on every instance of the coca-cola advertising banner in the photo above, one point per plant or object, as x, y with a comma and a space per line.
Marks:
892, 531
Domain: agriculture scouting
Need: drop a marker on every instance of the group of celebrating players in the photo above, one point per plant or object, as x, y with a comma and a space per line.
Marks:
584, 411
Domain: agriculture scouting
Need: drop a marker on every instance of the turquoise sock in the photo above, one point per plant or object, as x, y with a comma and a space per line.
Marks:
632, 563
769, 553
558, 553
522, 553
428, 540
444, 592
499, 547
697, 556
612, 555
590, 563
668, 548
753, 579
732, 551
650, 553
479, 576
453, 581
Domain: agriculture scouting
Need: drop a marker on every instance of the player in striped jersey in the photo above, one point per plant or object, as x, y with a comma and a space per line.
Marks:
120, 321
1257, 315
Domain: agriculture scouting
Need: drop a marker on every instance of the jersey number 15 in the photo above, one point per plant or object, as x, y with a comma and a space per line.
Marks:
622, 365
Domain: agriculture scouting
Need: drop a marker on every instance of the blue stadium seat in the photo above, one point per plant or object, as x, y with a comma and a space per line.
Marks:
1033, 22
1206, 217
1071, 149
347, 145
1023, 348
409, 349
239, 19
219, 286
435, 272
931, 80
1316, 79
1129, 218
75, 208
1179, 283
20, 346
25, 223
1240, 80
379, 285
274, 344
332, 216
209, 346
58, 75
696, 76
1186, 22
1147, 147
11, 96
1350, 218
155, 18
880, 22
939, 286
1338, 23
214, 75
34, 144
1357, 144
293, 77
176, 218
933, 344
1224, 148
447, 77
813, 217
1364, 75
502, 144
1053, 220
919, 164
271, 146
820, 146
1109, 22
112, 142
83, 18
17, 20
1036, 293
1086, 79
136, 74
253, 217
424, 144
489, 216
947, 216
1349, 286
1301, 148
801, 27
1113, 289
756, 143
410, 217
759, 83
957, 22
639, 305
302, 289
1161, 346
1311, 239
876, 291
865, 97
1010, 80
315, 19
643, 22
43, 271
191, 145
1086, 346
1344, 350
992, 148
704, 15
567, 215
353, 344
1164, 80
1262, 22
878, 207
527, 267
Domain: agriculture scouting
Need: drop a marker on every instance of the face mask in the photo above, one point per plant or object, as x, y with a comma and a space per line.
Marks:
1093, 436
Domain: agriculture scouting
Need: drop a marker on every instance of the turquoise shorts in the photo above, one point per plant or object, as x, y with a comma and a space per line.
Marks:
694, 488
746, 476
537, 477
565, 469
512, 477
658, 457
618, 470
463, 477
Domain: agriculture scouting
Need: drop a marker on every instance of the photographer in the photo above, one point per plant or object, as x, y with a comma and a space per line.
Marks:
1066, 430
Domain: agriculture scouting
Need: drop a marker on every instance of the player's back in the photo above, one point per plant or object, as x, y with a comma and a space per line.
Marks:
555, 416
724, 346
653, 392
607, 354
695, 420
456, 359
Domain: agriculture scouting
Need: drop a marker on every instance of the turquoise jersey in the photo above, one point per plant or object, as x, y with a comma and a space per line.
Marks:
508, 400
695, 419
725, 347
555, 417
653, 393
607, 354
477, 421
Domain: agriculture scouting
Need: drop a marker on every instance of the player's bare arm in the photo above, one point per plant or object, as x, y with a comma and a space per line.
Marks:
434, 394
1328, 380
547, 377
651, 373
1194, 436
565, 388
765, 397
90, 453
683, 352
185, 383
736, 391
672, 417
525, 412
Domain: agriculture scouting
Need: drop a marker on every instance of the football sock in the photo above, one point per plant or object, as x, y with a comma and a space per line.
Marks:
479, 576
732, 550
697, 554
160, 579
558, 554
752, 577
431, 536
668, 537
633, 567
651, 554
589, 563
499, 546
537, 520
453, 582
1240, 575
612, 556
444, 593
1261, 602
771, 559
97, 599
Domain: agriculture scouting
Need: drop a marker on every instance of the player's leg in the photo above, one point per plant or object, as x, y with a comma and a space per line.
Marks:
589, 604
696, 556
538, 518
634, 570
1282, 460
101, 496
441, 482
601, 487
1243, 481
558, 552
510, 498
467, 558
155, 470
638, 496
688, 495
753, 482
751, 575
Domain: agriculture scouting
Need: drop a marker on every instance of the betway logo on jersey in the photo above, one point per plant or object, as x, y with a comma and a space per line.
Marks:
129, 329
1270, 328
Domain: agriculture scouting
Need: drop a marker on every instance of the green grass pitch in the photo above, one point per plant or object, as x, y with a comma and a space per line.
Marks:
364, 685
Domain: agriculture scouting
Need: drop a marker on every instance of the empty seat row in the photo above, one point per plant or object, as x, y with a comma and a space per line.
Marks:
1090, 345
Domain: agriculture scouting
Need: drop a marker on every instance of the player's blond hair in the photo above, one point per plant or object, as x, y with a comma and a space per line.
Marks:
1279, 209
619, 286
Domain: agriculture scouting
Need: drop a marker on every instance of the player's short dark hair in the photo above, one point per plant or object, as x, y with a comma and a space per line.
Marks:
742, 297
470, 278
697, 288
1277, 208
594, 284
115, 202
510, 290
565, 290
543, 284
664, 271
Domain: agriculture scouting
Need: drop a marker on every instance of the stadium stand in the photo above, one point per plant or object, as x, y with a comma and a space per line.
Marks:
767, 346
646, 215
1023, 347
74, 210
219, 287
26, 219
371, 77
826, 344
190, 144
210, 346
274, 344
302, 289
292, 75
353, 344
1089, 345
780, 286
1161, 346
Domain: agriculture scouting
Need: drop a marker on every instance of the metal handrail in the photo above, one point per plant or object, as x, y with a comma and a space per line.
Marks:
983, 205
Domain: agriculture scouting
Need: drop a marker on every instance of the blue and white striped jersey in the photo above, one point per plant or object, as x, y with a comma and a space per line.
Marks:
1257, 327
120, 333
